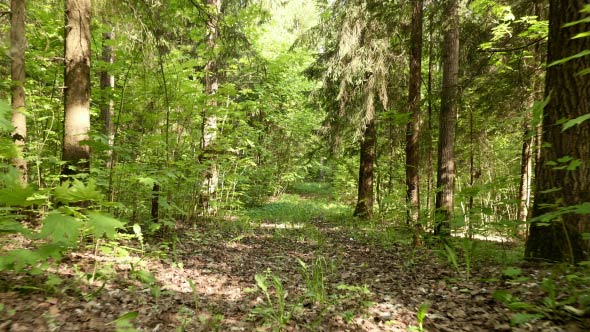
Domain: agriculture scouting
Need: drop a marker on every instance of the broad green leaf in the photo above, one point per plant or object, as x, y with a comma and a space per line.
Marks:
18, 259
12, 192
511, 272
77, 191
11, 226
60, 228
575, 122
5, 115
101, 224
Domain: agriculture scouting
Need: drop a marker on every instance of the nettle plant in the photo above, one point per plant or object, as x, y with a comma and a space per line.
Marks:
66, 214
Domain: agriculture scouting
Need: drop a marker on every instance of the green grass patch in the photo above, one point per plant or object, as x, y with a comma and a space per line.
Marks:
304, 203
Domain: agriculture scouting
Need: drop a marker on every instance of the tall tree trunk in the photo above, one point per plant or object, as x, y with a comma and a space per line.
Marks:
429, 166
556, 185
77, 87
107, 85
364, 205
413, 127
209, 124
445, 180
17, 54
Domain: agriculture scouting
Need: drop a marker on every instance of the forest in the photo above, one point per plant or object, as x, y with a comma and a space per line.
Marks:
295, 165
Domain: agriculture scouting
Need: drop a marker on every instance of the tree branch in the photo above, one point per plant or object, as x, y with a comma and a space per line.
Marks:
517, 48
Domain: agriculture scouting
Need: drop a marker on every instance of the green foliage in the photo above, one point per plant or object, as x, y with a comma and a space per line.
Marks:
123, 322
420, 316
274, 310
315, 279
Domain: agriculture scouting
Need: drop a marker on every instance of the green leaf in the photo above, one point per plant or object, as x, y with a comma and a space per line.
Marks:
583, 208
77, 191
101, 224
5, 115
60, 228
569, 58
575, 122
570, 24
11, 226
503, 296
511, 272
582, 35
13, 193
18, 259
261, 282
520, 306
521, 318
123, 322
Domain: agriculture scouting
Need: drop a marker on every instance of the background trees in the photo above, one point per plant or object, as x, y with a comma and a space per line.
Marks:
210, 107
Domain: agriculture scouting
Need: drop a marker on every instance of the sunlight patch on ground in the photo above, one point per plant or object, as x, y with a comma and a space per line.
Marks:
281, 226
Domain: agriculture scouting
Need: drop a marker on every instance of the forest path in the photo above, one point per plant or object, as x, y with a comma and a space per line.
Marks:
335, 273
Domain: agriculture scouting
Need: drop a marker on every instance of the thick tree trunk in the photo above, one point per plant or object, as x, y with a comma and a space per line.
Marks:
77, 87
209, 124
562, 176
413, 127
17, 54
445, 181
364, 205
107, 85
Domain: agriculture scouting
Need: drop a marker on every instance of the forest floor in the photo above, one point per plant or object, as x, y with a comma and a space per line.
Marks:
299, 263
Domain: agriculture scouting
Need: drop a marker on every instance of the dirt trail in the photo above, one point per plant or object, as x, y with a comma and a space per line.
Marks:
205, 281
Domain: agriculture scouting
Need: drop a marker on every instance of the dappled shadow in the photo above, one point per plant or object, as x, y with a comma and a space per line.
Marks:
200, 281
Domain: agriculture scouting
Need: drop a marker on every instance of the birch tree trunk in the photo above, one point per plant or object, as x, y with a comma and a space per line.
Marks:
17, 53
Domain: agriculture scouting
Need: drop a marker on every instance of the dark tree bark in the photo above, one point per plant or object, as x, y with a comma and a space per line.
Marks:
155, 209
429, 145
555, 186
107, 85
445, 180
17, 54
77, 87
209, 124
364, 205
413, 127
